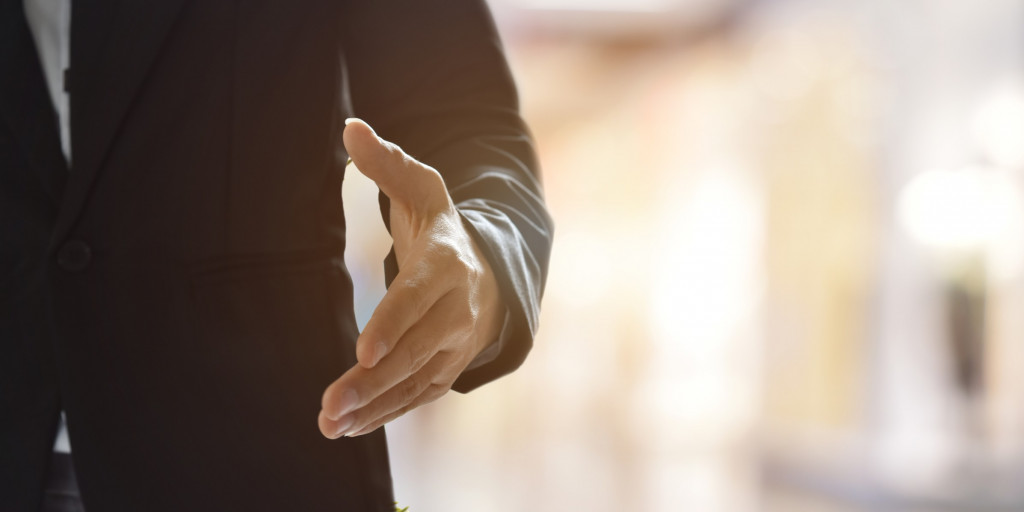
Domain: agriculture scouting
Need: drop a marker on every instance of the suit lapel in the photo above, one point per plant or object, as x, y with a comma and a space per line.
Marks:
25, 104
113, 45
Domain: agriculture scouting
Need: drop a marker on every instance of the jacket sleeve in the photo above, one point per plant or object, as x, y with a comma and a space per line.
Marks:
431, 76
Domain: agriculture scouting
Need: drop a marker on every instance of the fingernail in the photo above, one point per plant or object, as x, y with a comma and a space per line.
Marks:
379, 351
344, 424
349, 120
349, 400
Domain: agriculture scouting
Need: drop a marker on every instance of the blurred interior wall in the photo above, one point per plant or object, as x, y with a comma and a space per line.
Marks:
736, 319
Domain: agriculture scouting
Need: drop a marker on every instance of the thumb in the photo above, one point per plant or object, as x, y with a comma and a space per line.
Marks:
383, 162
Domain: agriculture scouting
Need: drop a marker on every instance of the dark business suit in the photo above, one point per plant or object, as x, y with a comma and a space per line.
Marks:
180, 291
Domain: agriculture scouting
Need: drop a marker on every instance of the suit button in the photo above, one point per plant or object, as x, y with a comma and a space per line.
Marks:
74, 256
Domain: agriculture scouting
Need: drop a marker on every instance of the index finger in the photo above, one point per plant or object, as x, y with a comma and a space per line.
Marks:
410, 296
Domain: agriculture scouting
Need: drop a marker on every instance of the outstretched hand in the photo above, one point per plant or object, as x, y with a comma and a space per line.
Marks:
440, 312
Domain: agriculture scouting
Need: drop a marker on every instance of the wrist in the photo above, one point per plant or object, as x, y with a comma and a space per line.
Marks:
492, 312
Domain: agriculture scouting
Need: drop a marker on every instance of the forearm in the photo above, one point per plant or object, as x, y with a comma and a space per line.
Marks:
446, 96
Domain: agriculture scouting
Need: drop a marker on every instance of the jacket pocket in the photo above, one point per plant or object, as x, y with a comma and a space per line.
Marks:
242, 267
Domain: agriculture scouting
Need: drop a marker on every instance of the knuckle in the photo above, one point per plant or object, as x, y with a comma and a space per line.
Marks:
450, 369
471, 276
408, 390
433, 392
464, 318
411, 164
416, 355
462, 262
462, 325
472, 271
393, 151
468, 266
455, 263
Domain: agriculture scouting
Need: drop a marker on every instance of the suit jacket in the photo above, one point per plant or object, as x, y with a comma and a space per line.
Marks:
180, 290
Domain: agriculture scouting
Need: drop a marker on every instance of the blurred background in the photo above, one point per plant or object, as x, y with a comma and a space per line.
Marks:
788, 271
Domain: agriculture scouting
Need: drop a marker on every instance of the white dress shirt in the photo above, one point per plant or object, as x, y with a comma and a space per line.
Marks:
50, 23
